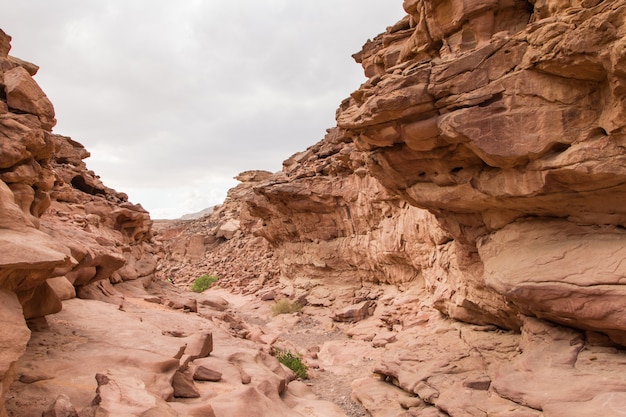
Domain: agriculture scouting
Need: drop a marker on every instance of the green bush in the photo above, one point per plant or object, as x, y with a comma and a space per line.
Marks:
293, 362
285, 306
203, 282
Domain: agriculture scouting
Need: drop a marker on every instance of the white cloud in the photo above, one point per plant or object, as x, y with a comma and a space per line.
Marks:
164, 92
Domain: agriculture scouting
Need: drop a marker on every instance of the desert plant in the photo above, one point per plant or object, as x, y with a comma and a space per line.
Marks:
292, 361
202, 283
285, 306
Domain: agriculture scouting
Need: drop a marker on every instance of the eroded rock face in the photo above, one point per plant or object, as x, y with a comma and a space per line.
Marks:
109, 237
27, 256
221, 244
481, 165
57, 220
478, 171
487, 114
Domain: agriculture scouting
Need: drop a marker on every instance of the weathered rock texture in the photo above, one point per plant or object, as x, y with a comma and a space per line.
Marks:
506, 121
142, 358
462, 223
479, 168
58, 222
220, 244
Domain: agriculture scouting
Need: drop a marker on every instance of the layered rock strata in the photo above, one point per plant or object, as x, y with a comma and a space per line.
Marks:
61, 229
505, 120
481, 166
221, 244
477, 173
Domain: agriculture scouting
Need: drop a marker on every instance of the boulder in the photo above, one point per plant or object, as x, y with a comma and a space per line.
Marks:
202, 373
199, 345
183, 385
61, 407
355, 312
24, 94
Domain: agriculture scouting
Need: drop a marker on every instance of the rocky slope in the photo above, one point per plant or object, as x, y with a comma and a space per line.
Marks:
455, 242
62, 231
120, 343
479, 172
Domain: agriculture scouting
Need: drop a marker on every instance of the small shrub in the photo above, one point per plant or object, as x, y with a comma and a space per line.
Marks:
292, 361
285, 306
202, 283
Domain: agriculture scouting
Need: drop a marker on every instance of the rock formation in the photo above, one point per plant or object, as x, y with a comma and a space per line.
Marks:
505, 121
61, 230
462, 224
120, 343
479, 169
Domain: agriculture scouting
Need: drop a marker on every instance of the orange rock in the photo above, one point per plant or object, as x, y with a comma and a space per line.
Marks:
24, 94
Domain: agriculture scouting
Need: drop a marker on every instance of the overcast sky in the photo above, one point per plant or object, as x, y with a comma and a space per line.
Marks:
173, 99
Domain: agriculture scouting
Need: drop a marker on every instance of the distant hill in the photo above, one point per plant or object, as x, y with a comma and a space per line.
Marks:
197, 215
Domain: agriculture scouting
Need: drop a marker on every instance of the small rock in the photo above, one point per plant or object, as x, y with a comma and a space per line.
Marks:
355, 312
215, 302
479, 383
173, 333
205, 374
190, 304
176, 305
268, 295
61, 407
183, 386
200, 345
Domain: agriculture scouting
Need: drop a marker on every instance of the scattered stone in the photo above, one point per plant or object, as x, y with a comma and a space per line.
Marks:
481, 383
355, 312
199, 345
190, 304
61, 407
203, 373
183, 386
269, 295
173, 333
153, 299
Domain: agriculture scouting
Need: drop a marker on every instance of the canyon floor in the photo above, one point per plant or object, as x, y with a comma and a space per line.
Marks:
140, 340
133, 335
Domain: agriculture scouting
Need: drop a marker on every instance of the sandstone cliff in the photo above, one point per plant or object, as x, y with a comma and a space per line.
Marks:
120, 343
506, 121
61, 229
462, 224
479, 171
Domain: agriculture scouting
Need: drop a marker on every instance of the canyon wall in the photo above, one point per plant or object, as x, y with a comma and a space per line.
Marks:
505, 121
481, 167
482, 160
61, 230
477, 173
